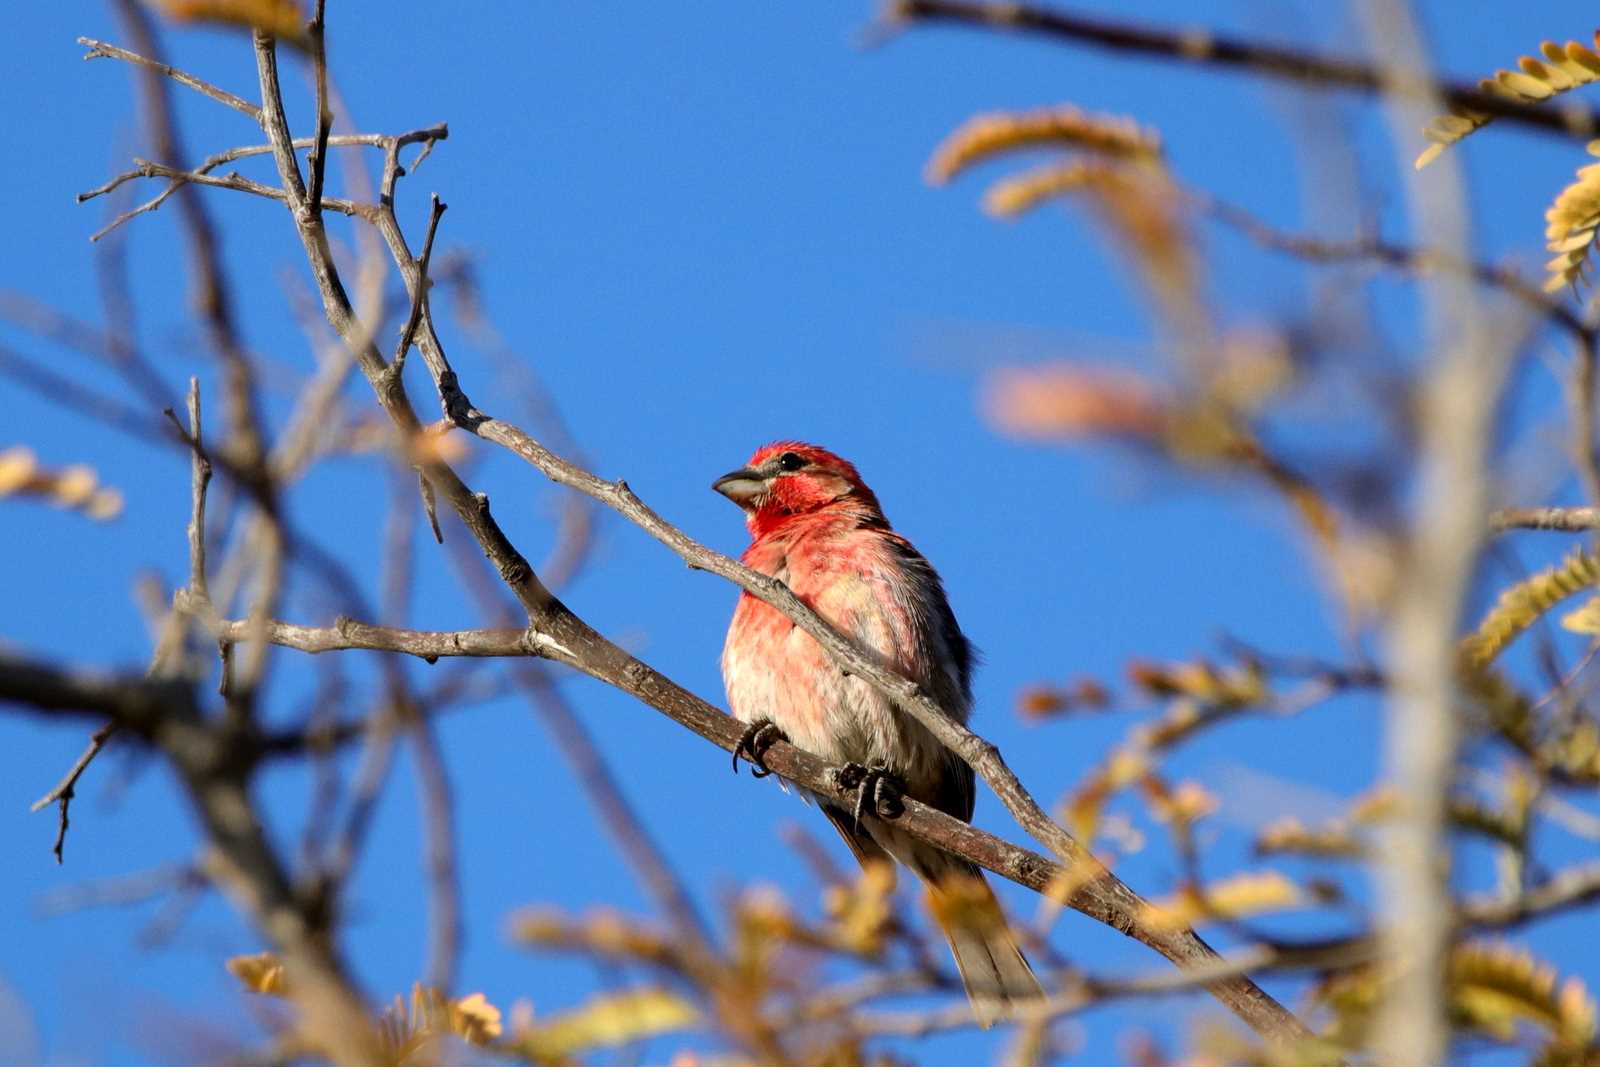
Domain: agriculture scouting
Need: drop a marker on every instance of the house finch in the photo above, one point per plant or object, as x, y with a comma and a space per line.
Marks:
817, 526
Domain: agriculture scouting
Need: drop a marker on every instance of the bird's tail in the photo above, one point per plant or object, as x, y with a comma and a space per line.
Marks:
993, 969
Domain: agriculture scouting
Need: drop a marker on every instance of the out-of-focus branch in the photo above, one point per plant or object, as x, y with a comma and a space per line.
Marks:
1418, 261
1570, 888
1567, 520
1203, 48
102, 50
1458, 398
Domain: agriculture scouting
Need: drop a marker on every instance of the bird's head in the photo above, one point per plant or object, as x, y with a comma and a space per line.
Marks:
787, 480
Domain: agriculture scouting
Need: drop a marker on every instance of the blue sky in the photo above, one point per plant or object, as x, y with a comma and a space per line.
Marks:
703, 227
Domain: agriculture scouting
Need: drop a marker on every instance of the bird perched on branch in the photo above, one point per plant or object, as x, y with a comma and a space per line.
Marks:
816, 526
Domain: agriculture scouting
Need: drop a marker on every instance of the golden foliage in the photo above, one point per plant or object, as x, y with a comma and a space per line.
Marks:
407, 1026
1562, 67
985, 136
75, 487
1496, 985
281, 18
863, 912
404, 1027
1240, 686
1122, 768
964, 902
604, 933
1182, 806
1493, 987
1570, 223
1520, 606
1585, 619
607, 1021
1290, 836
1021, 193
1123, 176
1242, 895
1043, 701
260, 973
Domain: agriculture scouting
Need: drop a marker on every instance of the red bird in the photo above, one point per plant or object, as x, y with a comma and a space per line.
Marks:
816, 526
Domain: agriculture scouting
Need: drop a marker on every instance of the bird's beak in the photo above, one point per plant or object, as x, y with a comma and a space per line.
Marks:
741, 486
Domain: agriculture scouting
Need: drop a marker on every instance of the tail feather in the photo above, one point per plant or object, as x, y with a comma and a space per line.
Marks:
993, 969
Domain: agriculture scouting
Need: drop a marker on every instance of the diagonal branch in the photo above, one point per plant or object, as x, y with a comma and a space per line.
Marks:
102, 50
1204, 48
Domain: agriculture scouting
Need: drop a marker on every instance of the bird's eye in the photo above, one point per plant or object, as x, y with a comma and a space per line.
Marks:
790, 461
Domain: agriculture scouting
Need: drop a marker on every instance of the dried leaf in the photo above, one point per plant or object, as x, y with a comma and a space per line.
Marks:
1232, 898
986, 136
1495, 985
607, 1021
281, 18
1520, 606
1063, 401
862, 913
1562, 68
261, 973
76, 487
1570, 225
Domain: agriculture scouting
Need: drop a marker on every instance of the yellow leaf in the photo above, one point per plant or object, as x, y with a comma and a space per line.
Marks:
607, 1021
861, 912
1585, 620
261, 973
987, 136
281, 18
17, 466
1232, 898
474, 1019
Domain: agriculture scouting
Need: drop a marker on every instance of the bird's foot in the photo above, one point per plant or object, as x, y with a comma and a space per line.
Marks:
875, 783
753, 744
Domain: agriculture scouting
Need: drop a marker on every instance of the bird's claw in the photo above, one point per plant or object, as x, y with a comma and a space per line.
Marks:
753, 744
877, 782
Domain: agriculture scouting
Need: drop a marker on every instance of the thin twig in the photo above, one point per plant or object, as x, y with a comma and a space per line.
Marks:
1397, 256
425, 136
65, 789
100, 49
144, 168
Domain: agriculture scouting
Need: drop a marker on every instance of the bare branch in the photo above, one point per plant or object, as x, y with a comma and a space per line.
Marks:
144, 168
100, 49
1204, 48
1567, 520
